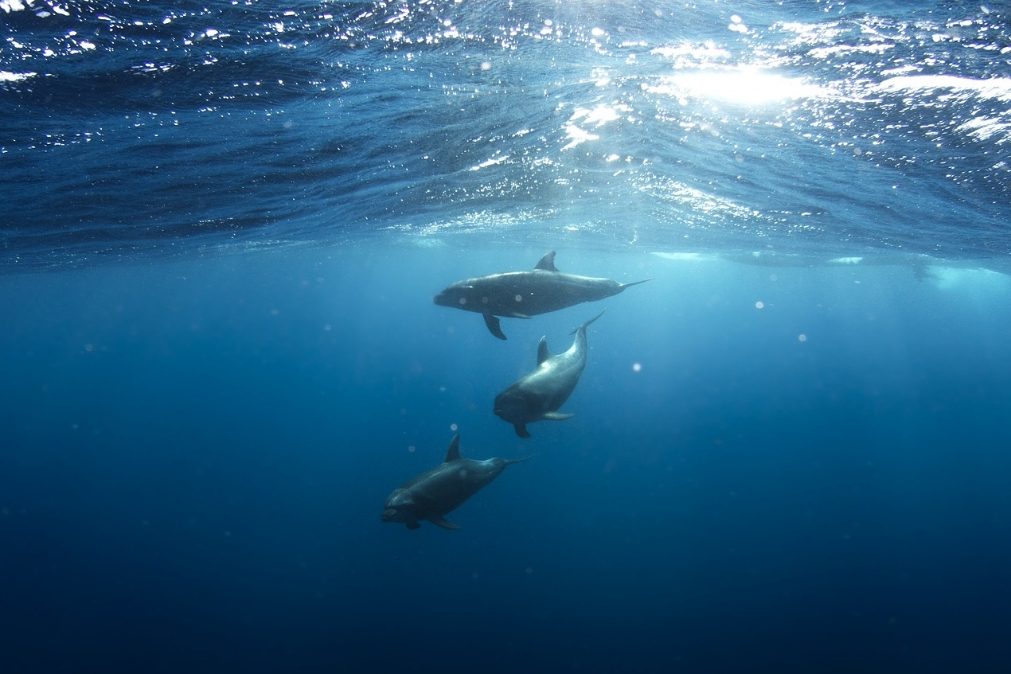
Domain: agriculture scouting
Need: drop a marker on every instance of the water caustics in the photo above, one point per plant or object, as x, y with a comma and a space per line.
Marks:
687, 126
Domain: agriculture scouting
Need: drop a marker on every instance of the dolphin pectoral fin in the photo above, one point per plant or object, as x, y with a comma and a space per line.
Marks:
413, 524
521, 430
493, 325
444, 523
547, 263
557, 416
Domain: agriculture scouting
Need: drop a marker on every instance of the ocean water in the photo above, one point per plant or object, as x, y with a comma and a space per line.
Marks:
223, 227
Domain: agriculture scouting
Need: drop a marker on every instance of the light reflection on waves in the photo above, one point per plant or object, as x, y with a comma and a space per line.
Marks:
441, 117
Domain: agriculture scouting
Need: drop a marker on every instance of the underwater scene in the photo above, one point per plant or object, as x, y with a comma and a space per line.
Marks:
522, 336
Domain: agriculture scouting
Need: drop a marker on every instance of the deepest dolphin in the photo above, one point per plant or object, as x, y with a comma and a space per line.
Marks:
522, 294
539, 394
432, 494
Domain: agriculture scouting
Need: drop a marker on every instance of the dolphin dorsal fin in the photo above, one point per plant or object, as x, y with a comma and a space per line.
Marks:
547, 263
542, 350
453, 453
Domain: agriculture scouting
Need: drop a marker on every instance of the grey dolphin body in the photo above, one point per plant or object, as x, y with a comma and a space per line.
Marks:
522, 294
434, 493
539, 394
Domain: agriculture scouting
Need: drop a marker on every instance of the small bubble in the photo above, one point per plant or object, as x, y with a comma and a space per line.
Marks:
636, 367
411, 449
519, 298
453, 427
275, 312
462, 301
802, 337
485, 65
759, 304
327, 327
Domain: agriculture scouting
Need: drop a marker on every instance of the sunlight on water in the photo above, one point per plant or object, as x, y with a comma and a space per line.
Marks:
998, 88
594, 117
956, 278
688, 256
445, 117
743, 85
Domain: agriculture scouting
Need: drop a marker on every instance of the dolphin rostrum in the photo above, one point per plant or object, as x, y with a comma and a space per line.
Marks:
432, 494
522, 294
538, 394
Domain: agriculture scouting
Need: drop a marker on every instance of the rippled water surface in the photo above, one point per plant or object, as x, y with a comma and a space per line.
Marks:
813, 127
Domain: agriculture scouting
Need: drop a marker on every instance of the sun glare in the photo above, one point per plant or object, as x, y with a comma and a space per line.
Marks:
748, 86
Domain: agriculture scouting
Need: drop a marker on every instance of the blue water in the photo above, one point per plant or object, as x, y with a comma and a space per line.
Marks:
223, 227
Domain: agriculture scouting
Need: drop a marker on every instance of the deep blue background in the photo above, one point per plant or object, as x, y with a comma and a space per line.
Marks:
195, 456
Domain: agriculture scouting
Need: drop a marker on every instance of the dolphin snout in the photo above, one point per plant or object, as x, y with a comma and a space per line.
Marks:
444, 299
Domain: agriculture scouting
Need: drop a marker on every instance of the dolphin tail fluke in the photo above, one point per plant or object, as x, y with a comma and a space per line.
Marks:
494, 325
521, 430
634, 283
444, 523
583, 326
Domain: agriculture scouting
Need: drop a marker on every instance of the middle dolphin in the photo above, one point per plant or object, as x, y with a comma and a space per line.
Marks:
522, 294
539, 394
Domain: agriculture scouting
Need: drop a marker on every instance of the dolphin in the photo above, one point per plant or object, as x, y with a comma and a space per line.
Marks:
432, 494
522, 294
539, 394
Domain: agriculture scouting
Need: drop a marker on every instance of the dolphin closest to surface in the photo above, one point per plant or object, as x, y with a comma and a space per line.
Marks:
522, 294
539, 394
434, 493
